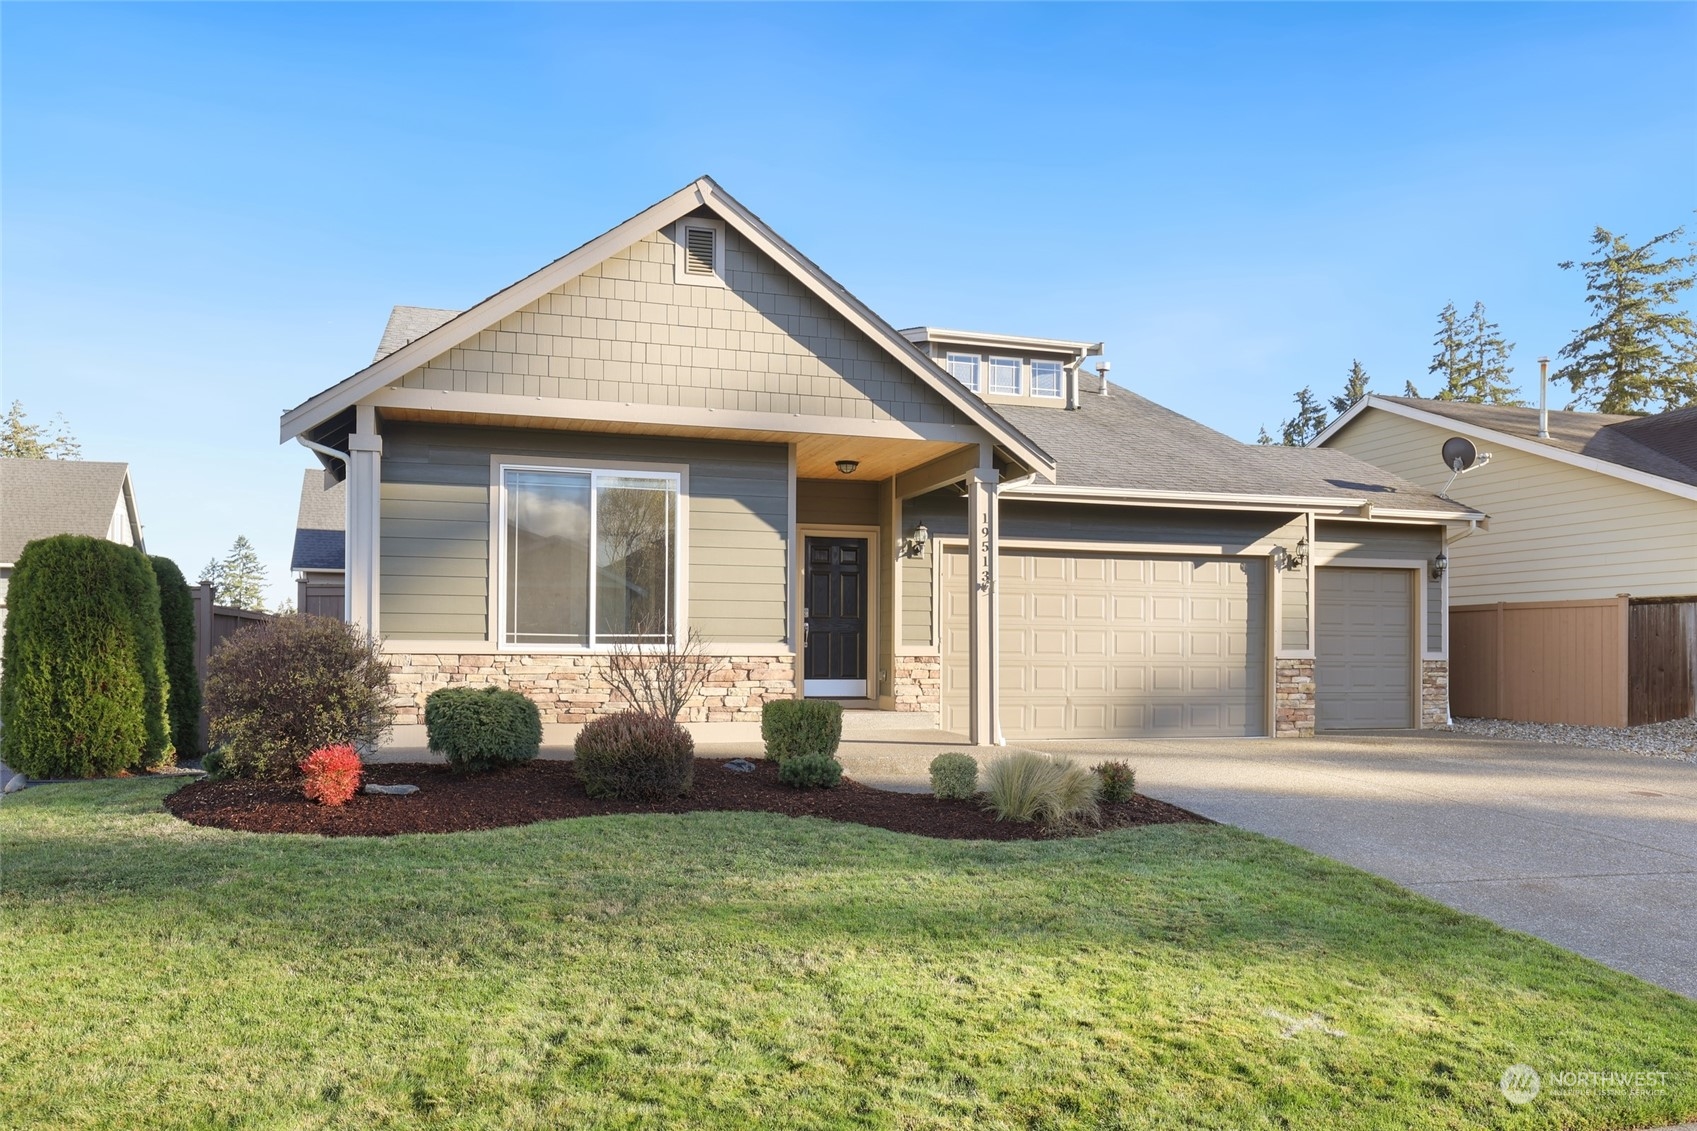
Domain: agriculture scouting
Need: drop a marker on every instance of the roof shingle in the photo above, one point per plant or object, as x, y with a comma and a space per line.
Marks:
43, 497
321, 522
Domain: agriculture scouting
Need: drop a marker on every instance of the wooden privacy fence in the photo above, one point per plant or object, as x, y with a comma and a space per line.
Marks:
213, 624
1613, 662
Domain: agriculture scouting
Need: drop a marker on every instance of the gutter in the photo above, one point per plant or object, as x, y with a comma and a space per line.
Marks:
1365, 508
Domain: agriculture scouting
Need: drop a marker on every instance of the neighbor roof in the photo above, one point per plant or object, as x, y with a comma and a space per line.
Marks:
1662, 446
321, 522
1125, 442
43, 497
407, 324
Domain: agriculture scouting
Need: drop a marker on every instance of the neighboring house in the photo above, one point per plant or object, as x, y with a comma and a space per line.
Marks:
685, 424
43, 497
1577, 602
320, 531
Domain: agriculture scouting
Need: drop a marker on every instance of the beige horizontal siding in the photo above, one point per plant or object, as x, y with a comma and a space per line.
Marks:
1557, 532
625, 331
435, 524
832, 502
916, 595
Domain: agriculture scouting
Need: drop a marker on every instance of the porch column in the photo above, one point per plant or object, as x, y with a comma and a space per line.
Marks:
365, 473
981, 622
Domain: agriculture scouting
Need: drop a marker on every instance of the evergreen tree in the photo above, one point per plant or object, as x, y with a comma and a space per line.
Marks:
1452, 362
1354, 388
1308, 422
240, 577
20, 439
1487, 352
1408, 390
1263, 439
1640, 354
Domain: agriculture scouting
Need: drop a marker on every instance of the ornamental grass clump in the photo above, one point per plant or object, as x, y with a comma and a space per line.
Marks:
796, 728
331, 775
811, 771
280, 689
1119, 780
1028, 787
954, 776
481, 728
632, 756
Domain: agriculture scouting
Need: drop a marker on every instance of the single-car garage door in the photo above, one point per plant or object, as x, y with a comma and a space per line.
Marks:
1364, 658
1116, 646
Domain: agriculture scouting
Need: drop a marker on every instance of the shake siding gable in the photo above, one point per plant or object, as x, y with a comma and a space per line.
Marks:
1557, 532
435, 522
624, 331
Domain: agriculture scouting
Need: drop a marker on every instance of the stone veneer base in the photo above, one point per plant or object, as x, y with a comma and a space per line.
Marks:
1434, 693
1293, 698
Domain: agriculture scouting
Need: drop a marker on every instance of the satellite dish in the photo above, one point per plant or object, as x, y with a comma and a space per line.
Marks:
1459, 453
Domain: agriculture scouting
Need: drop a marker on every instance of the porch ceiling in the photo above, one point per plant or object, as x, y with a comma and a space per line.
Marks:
816, 455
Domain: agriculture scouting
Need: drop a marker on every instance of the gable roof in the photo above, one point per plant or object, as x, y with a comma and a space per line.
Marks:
408, 324
321, 522
702, 192
43, 497
1654, 451
1127, 443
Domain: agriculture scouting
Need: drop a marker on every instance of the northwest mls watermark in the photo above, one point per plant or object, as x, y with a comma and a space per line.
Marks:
1521, 1083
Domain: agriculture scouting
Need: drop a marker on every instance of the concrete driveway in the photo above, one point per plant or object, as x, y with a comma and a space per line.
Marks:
1594, 850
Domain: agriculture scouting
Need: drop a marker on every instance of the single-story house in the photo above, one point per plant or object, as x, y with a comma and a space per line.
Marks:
320, 533
43, 497
1578, 602
687, 425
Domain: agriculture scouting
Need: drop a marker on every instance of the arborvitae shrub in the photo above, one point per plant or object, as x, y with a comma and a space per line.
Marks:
480, 728
84, 689
280, 689
176, 618
332, 775
795, 728
631, 756
954, 777
810, 771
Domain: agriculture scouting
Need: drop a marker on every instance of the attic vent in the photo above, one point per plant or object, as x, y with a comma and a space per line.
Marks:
698, 250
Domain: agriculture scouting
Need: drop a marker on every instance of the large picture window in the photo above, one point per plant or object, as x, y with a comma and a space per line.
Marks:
589, 558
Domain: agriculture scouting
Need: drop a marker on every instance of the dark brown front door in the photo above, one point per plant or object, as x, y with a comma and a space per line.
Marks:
834, 651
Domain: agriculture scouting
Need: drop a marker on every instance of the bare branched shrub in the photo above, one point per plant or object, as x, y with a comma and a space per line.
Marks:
661, 679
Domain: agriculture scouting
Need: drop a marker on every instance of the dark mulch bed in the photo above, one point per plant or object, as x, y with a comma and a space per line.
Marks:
447, 802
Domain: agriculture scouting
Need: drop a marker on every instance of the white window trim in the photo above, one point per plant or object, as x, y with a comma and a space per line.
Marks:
679, 275
1060, 383
678, 473
977, 369
1018, 377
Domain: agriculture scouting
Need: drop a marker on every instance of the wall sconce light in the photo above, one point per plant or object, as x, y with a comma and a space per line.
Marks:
1440, 566
1295, 558
848, 466
916, 541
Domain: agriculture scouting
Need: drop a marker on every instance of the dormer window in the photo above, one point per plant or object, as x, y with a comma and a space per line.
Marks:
1004, 376
963, 367
1046, 379
701, 252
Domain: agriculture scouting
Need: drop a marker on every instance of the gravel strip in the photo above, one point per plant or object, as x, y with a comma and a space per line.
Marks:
1676, 739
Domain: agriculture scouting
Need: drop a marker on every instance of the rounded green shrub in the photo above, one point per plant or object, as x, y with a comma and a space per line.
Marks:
279, 689
176, 619
954, 776
1119, 780
810, 771
632, 756
480, 728
85, 687
795, 728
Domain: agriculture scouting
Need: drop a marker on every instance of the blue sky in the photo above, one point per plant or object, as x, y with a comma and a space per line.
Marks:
207, 210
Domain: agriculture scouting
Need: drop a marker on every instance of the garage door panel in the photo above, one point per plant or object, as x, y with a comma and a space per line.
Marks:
1120, 646
1364, 659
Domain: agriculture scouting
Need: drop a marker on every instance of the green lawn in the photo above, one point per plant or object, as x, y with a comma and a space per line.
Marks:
735, 969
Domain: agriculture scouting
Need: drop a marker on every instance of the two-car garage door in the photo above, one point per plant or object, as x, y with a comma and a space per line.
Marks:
1098, 645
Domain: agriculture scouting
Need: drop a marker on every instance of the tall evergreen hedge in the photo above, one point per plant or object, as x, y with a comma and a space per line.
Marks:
84, 658
176, 616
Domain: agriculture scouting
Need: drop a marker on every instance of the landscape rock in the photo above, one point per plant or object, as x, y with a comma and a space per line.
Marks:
13, 783
740, 766
391, 790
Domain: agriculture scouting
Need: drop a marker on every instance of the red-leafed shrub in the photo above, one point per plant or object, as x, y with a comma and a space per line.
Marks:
332, 774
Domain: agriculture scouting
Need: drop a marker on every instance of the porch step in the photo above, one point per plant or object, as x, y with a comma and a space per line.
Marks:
862, 717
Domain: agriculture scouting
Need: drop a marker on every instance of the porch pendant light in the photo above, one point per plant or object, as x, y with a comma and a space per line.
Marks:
848, 466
